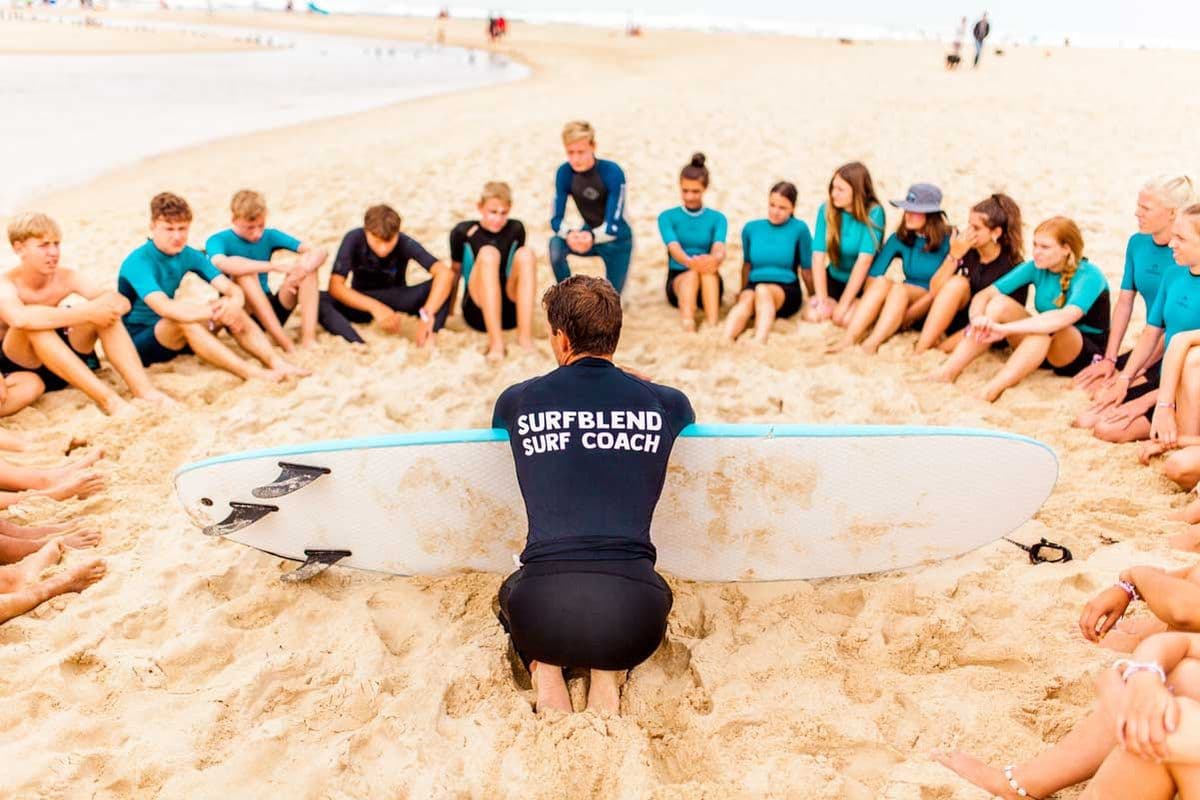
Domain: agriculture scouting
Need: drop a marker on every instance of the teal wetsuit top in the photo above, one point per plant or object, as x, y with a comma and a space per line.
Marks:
148, 270
1087, 286
919, 263
1177, 304
857, 239
695, 231
228, 243
775, 252
1146, 262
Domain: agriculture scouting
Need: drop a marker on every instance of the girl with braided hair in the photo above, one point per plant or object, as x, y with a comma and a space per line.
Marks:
1071, 320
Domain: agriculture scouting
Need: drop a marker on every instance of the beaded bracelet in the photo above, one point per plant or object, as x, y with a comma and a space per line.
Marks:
1132, 668
1130, 590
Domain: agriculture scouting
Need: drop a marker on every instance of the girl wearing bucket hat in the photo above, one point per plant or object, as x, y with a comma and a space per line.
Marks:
921, 242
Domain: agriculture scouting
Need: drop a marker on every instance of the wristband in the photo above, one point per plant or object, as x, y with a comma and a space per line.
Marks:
1129, 668
1113, 359
1130, 590
1124, 377
1097, 358
424, 315
1165, 405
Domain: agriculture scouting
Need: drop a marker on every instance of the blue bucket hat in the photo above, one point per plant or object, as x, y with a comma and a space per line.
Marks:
922, 198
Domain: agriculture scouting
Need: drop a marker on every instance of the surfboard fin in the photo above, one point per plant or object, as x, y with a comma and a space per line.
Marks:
240, 515
317, 562
292, 478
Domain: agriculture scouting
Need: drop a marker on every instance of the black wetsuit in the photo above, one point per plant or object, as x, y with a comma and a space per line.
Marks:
591, 445
980, 276
384, 279
466, 240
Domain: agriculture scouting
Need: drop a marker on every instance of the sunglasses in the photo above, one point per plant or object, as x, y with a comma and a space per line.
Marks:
1044, 551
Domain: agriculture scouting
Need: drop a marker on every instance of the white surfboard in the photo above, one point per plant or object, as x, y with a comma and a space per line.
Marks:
741, 502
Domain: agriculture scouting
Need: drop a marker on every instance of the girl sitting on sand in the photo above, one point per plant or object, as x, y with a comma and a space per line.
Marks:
921, 242
772, 250
989, 247
848, 235
1124, 402
1142, 739
1071, 323
695, 240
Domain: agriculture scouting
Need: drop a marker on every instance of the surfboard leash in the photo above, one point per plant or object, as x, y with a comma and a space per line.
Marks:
1044, 551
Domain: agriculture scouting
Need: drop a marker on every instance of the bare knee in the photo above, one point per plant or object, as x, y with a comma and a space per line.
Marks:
1109, 432
488, 254
1178, 469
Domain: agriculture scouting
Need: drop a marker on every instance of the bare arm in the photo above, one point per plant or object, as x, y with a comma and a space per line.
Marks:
979, 302
1172, 598
1045, 323
236, 266
1122, 311
340, 291
676, 252
37, 317
178, 310
858, 276
1173, 361
944, 273
820, 263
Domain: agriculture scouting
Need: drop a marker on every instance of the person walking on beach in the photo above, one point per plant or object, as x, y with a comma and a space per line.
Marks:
598, 188
981, 31
591, 443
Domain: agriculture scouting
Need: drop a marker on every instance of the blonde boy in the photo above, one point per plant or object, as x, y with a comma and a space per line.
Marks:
58, 342
243, 252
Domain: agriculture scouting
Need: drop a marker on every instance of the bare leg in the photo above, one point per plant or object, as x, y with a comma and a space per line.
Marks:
256, 343
866, 312
687, 288
710, 297
12, 530
48, 348
550, 686
739, 315
1136, 430
603, 692
1027, 357
75, 579
767, 300
21, 389
1187, 396
209, 348
522, 288
484, 288
120, 352
1183, 467
1000, 308
260, 307
309, 297
891, 316
949, 300
17, 477
809, 286
1123, 775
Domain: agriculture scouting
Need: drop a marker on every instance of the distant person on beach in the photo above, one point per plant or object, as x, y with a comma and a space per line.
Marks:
1071, 323
981, 31
921, 242
598, 188
22, 587
591, 443
1124, 392
243, 251
989, 247
774, 250
163, 327
954, 57
56, 341
499, 269
695, 238
849, 232
370, 280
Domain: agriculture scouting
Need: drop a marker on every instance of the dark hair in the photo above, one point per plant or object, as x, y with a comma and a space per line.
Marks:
382, 221
588, 311
863, 188
935, 231
170, 207
1001, 211
786, 190
695, 170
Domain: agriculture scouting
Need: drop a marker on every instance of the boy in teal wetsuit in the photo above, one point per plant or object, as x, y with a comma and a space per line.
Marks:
162, 327
243, 252
695, 240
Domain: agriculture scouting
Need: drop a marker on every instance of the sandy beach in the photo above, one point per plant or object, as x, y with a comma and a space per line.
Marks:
191, 671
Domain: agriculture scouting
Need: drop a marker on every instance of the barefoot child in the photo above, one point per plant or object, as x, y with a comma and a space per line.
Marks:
243, 252
499, 270
695, 240
162, 327
773, 250
1071, 323
42, 334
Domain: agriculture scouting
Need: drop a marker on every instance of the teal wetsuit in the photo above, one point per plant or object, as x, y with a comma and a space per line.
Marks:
148, 270
856, 239
774, 253
1177, 303
919, 263
228, 243
695, 231
1146, 262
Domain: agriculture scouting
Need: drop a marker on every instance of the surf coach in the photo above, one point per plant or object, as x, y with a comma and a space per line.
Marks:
591, 443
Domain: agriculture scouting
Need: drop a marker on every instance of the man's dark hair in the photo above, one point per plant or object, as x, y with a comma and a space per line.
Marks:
382, 221
588, 311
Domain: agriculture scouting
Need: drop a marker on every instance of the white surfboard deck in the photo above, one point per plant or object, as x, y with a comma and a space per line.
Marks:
741, 502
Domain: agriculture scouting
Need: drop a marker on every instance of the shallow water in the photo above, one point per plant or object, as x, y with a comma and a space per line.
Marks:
70, 117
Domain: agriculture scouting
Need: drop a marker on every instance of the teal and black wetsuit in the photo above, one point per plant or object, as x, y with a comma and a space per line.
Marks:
466, 240
694, 231
599, 194
148, 270
774, 253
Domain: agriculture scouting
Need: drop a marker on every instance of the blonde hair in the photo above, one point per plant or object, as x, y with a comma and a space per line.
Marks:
1193, 211
1175, 192
578, 130
32, 225
1067, 233
248, 205
496, 190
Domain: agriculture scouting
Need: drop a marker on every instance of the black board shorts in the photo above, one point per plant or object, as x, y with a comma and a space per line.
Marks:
609, 615
673, 298
50, 379
473, 314
793, 296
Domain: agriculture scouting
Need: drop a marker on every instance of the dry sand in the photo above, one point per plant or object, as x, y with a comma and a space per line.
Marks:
190, 671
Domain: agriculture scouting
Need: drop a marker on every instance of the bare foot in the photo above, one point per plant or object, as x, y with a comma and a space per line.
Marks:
81, 540
603, 693
941, 376
80, 484
268, 375
34, 564
80, 577
14, 531
495, 353
991, 393
13, 441
550, 687
308, 344
869, 347
837, 347
158, 399
293, 370
1189, 513
1188, 541
526, 344
687, 324
118, 407
988, 778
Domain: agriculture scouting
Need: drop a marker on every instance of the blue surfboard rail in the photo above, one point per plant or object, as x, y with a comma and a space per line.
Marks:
699, 431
